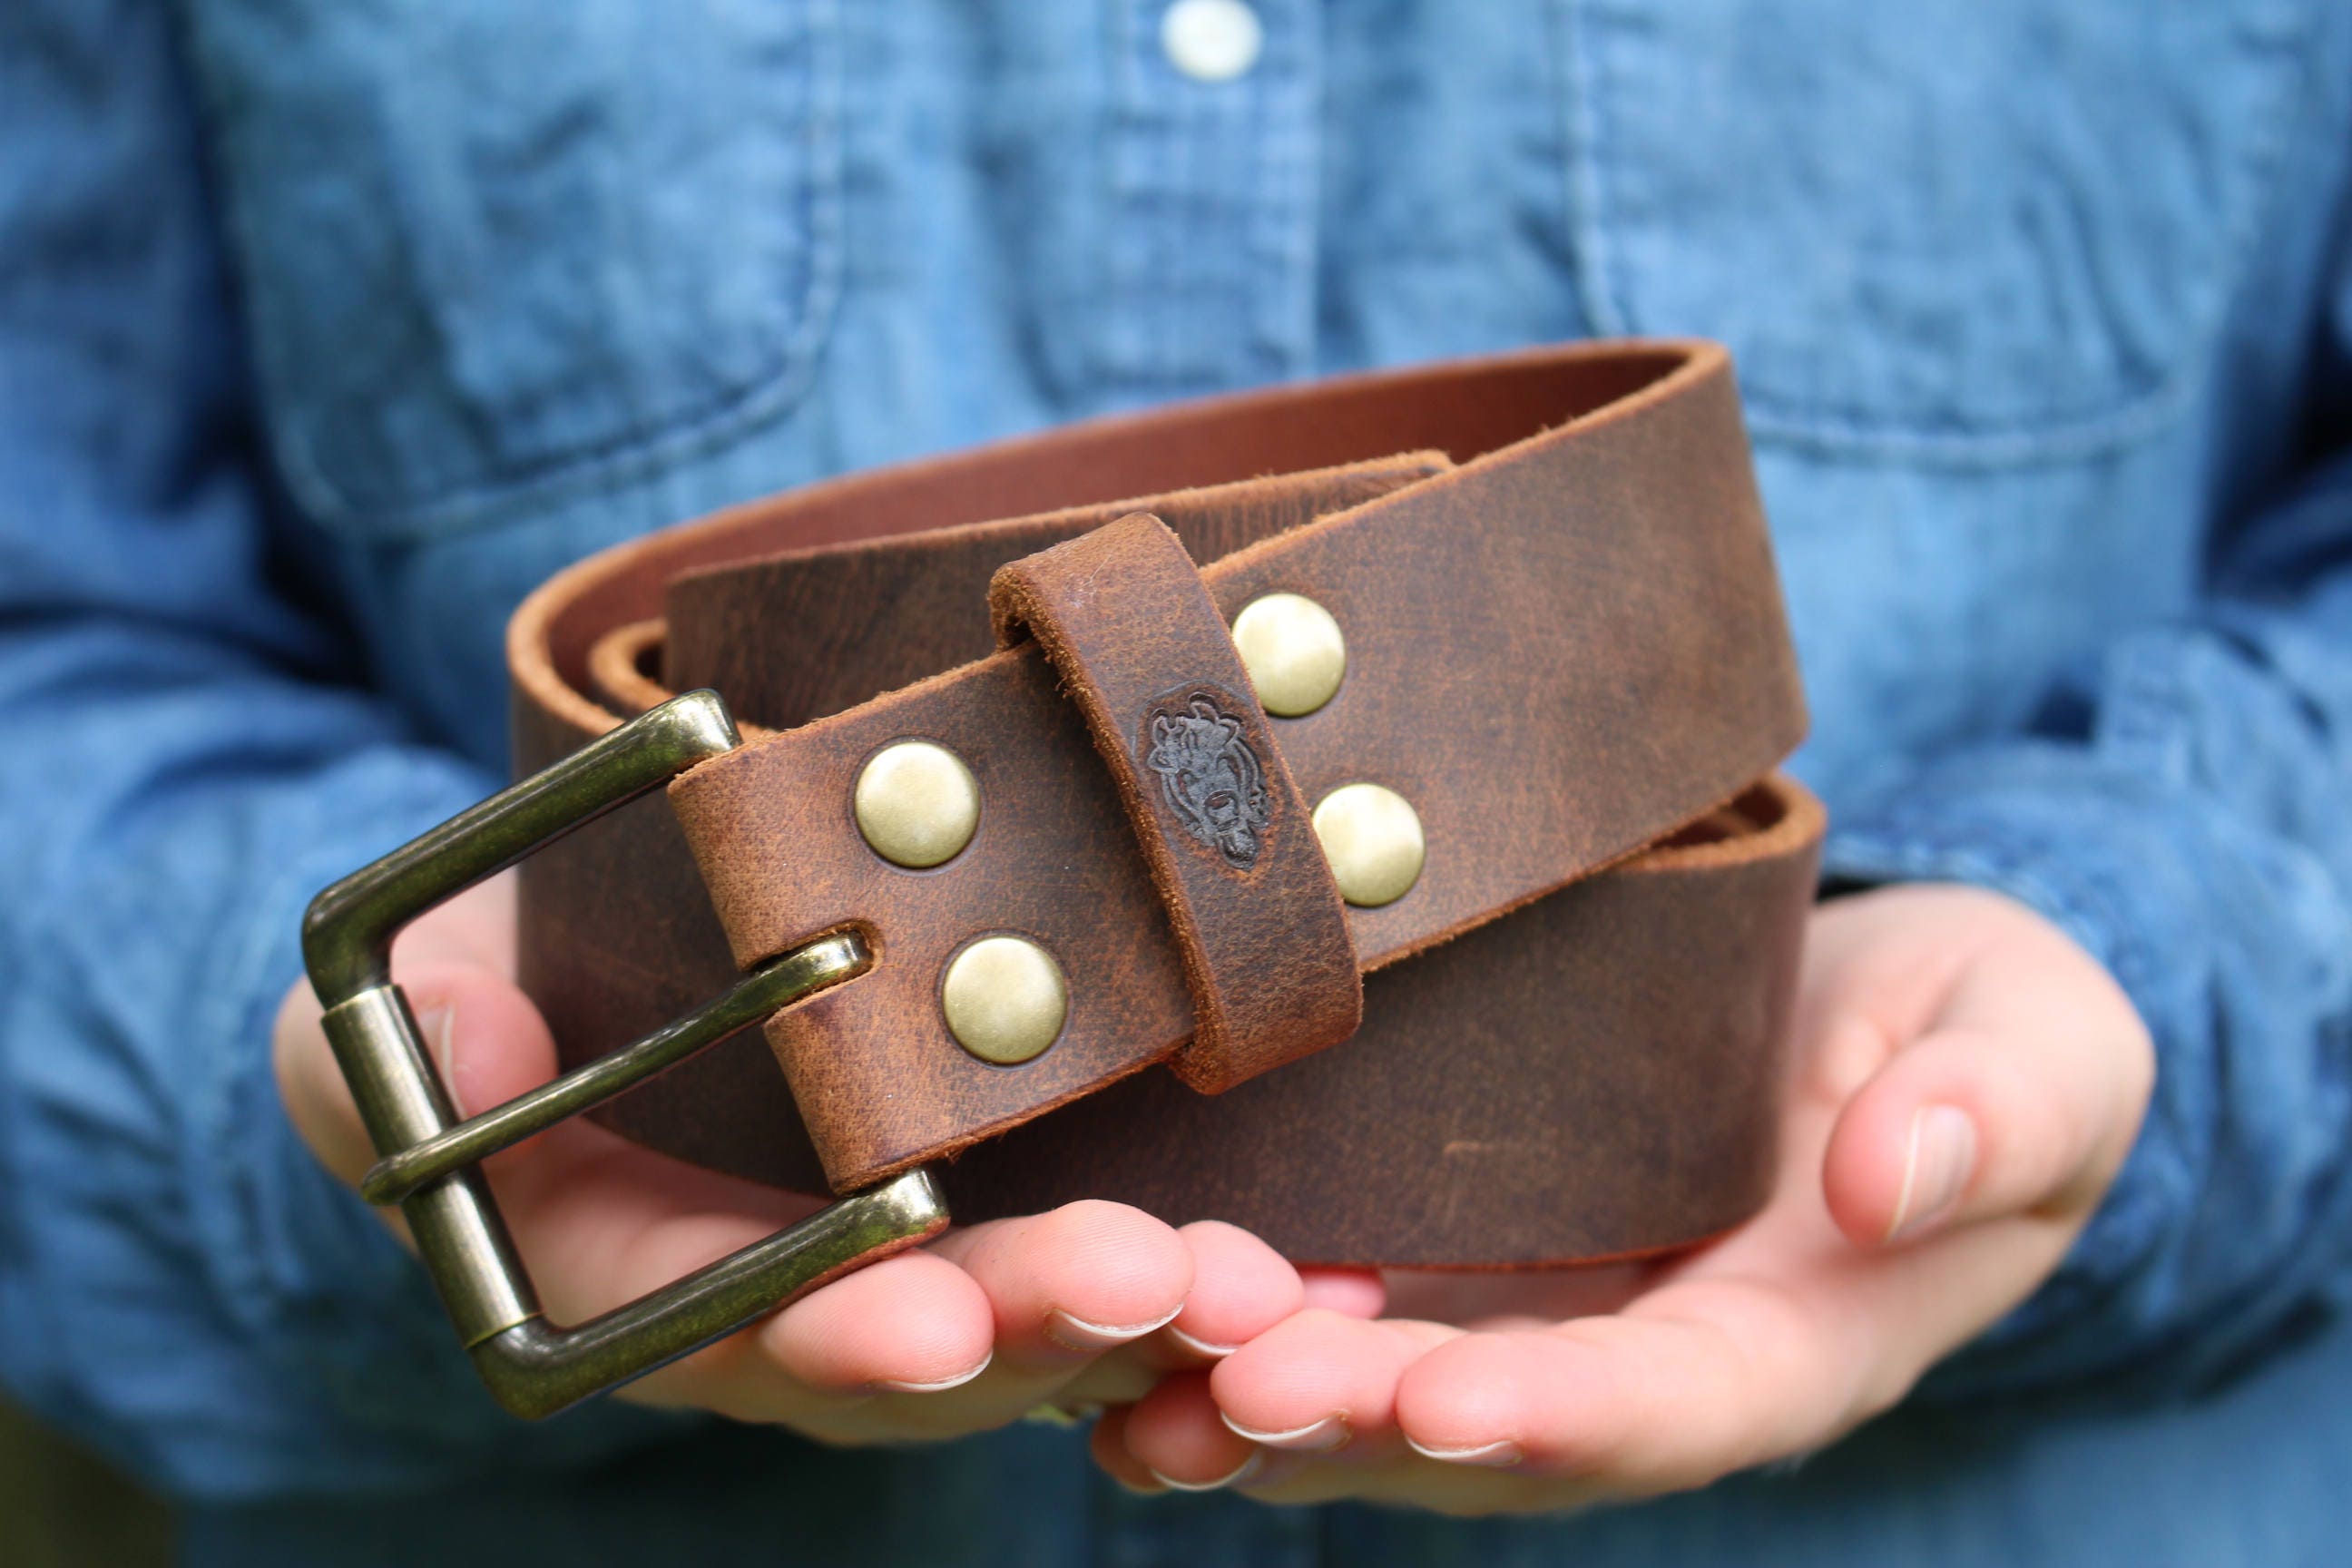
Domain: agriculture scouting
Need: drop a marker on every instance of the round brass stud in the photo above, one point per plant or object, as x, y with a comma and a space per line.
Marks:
1293, 653
1372, 838
917, 804
1004, 999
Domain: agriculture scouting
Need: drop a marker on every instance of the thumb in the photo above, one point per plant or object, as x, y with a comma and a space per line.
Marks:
2022, 1096
481, 1034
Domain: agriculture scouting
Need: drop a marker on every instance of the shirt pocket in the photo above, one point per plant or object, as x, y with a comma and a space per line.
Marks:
1964, 230
490, 251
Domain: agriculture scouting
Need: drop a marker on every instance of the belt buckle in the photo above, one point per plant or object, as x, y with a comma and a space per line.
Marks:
428, 1157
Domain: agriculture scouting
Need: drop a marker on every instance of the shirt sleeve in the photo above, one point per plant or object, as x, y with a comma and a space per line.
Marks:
187, 753
2183, 808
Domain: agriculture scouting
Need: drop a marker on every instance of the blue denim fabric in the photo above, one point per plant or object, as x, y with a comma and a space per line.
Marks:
328, 329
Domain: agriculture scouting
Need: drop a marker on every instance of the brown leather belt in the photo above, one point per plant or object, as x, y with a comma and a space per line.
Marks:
1565, 648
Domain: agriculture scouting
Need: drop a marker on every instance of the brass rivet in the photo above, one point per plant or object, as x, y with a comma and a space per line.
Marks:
1292, 651
1004, 999
917, 804
1372, 837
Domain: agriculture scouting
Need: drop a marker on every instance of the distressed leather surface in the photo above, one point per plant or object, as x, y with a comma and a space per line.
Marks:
1567, 648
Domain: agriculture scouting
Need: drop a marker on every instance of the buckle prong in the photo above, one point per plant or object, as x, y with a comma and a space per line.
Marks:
428, 1162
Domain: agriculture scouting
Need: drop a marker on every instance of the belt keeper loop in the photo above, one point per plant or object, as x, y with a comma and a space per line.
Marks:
1123, 617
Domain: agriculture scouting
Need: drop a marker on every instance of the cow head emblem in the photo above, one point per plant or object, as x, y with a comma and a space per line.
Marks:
1211, 778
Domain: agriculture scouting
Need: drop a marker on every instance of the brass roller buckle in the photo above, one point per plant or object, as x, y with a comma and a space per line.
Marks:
428, 1156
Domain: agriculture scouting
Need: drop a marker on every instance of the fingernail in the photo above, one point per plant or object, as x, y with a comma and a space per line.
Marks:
1248, 1467
1077, 1334
1497, 1455
434, 1024
1315, 1437
1201, 1347
901, 1386
1936, 1168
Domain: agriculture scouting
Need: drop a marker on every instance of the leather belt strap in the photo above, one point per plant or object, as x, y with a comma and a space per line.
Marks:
1565, 648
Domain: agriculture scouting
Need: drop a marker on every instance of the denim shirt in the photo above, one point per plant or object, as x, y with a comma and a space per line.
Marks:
328, 330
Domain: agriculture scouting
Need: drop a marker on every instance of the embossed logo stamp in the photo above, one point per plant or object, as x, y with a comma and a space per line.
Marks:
1210, 777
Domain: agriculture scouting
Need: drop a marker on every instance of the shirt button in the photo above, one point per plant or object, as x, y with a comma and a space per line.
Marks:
1210, 41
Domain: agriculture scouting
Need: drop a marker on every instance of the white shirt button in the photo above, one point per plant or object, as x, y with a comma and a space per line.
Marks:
1212, 40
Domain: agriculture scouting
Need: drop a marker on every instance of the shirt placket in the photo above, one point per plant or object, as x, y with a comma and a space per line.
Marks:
1211, 251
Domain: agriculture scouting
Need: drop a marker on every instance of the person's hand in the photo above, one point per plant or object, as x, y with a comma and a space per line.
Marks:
1089, 1303
1968, 1081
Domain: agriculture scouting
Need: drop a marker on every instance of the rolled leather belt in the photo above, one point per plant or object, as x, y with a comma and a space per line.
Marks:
1565, 649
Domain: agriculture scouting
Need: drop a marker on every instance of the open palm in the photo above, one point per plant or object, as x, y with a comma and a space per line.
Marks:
1968, 1081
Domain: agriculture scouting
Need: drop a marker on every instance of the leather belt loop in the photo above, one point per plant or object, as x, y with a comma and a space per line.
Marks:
1125, 620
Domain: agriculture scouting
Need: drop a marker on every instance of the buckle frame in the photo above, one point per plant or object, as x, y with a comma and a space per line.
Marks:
428, 1156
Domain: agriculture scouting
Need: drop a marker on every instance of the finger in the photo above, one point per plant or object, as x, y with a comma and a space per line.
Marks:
1319, 1382
483, 1036
602, 1222
1069, 1285
1108, 1444
989, 1339
1634, 1405
311, 1087
1972, 1122
1074, 1299
1179, 1438
1241, 1287
1176, 1433
910, 1324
